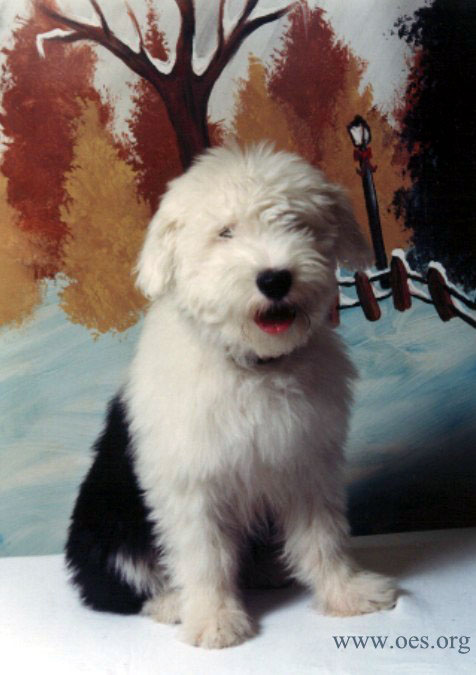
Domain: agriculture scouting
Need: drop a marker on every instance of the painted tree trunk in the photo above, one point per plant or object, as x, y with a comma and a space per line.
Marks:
187, 110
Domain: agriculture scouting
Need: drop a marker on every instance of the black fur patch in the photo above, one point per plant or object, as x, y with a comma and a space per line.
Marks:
110, 517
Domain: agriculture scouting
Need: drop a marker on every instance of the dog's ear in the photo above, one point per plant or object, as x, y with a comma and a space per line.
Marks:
156, 261
350, 248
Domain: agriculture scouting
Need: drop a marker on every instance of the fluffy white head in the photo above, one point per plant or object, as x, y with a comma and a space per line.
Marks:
247, 241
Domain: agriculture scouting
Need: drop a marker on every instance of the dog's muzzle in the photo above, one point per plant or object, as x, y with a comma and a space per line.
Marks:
277, 319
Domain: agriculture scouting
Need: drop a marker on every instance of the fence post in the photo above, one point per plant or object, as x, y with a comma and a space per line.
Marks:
399, 281
366, 296
440, 295
334, 318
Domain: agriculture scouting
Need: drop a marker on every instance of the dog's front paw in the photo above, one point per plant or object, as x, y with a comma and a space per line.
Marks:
164, 608
228, 626
362, 593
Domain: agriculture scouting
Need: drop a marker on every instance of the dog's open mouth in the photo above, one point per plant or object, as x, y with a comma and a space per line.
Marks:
276, 319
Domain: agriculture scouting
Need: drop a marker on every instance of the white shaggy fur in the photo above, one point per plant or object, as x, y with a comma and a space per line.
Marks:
229, 421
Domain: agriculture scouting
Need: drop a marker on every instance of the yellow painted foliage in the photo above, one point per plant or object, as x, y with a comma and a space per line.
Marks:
259, 117
338, 163
106, 220
20, 293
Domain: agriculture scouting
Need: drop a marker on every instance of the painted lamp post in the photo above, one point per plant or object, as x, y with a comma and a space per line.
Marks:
360, 135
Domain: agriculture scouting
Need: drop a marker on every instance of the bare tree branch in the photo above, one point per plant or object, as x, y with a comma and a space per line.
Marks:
248, 8
221, 27
102, 18
184, 49
138, 62
135, 23
251, 26
184, 93
227, 48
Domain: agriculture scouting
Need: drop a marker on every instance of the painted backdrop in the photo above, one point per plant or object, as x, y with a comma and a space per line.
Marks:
94, 122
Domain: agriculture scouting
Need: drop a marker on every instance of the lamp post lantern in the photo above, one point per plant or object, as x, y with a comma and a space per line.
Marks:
361, 136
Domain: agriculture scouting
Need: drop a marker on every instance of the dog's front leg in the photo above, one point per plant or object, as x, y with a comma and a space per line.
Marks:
203, 565
316, 541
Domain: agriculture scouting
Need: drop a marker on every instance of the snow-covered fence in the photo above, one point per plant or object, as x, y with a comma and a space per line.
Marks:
437, 290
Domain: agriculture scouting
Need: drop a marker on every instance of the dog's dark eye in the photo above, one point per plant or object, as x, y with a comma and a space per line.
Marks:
226, 233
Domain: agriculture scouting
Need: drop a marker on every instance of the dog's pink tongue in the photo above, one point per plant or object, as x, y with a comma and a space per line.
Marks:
274, 324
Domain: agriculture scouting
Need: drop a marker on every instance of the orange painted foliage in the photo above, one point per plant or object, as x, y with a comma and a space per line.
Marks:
154, 153
41, 100
257, 116
20, 292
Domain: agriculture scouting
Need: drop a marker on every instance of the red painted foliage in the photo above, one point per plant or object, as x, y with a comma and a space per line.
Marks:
309, 70
154, 38
41, 100
154, 153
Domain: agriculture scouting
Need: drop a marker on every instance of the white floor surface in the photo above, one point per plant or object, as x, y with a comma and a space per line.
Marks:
44, 629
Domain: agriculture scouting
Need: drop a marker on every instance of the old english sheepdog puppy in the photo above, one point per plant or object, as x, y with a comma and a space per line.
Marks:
230, 427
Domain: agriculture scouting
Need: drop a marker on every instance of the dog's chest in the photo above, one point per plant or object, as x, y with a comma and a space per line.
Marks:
270, 410
217, 420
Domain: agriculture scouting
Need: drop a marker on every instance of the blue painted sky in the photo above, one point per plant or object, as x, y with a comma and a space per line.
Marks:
415, 397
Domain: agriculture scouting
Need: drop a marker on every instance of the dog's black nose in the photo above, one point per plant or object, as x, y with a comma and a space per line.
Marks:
274, 284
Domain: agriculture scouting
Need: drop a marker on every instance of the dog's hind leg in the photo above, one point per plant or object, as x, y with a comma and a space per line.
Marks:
106, 586
110, 551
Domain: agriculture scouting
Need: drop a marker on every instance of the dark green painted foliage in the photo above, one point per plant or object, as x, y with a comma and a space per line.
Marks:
439, 130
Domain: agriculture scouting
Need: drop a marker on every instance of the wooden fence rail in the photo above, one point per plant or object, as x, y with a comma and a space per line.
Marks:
448, 301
